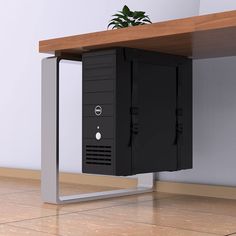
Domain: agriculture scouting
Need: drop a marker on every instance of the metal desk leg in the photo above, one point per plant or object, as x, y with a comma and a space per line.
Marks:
50, 145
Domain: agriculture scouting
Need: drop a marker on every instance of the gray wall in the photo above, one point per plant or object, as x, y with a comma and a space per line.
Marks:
214, 131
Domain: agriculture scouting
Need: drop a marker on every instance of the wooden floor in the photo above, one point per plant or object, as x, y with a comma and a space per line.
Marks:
159, 214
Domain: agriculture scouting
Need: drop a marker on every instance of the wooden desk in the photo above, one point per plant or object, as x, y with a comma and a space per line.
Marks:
204, 36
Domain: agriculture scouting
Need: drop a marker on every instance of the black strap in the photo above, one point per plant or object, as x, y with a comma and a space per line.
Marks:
134, 110
178, 113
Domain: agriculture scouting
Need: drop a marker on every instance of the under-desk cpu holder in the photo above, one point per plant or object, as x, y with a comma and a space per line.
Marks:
137, 118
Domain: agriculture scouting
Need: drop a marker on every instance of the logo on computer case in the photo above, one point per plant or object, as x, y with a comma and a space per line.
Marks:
98, 110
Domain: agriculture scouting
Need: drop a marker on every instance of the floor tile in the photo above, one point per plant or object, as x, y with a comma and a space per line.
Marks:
6, 230
149, 212
33, 198
113, 201
67, 189
12, 185
82, 224
145, 214
202, 204
14, 212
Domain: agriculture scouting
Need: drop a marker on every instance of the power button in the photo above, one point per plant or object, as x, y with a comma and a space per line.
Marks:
98, 136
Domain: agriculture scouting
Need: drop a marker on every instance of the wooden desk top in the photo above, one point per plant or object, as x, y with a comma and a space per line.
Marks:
204, 36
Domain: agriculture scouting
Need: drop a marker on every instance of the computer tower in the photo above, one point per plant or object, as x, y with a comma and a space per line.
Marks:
137, 112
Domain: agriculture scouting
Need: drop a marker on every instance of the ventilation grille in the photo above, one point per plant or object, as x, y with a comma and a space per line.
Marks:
98, 155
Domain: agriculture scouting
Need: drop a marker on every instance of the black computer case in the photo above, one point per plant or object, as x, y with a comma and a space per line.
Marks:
137, 112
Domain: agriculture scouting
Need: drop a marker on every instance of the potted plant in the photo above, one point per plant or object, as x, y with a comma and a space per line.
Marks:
126, 18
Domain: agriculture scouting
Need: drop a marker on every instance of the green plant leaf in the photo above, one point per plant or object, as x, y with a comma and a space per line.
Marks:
121, 16
118, 15
116, 19
138, 14
146, 16
117, 26
125, 24
135, 23
126, 10
141, 12
147, 20
110, 24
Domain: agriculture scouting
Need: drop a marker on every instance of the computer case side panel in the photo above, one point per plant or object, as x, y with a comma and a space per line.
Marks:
185, 116
122, 114
162, 134
154, 147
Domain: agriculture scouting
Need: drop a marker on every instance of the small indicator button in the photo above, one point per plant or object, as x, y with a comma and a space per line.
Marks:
98, 110
98, 136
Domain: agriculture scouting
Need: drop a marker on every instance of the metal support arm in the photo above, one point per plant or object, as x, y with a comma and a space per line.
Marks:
50, 145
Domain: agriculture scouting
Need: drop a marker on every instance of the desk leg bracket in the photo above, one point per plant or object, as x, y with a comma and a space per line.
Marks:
50, 145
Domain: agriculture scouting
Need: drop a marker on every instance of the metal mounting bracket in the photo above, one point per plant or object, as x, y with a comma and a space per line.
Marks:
50, 145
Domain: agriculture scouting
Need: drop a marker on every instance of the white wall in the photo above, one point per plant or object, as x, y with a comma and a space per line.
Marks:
214, 131
23, 23
212, 6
